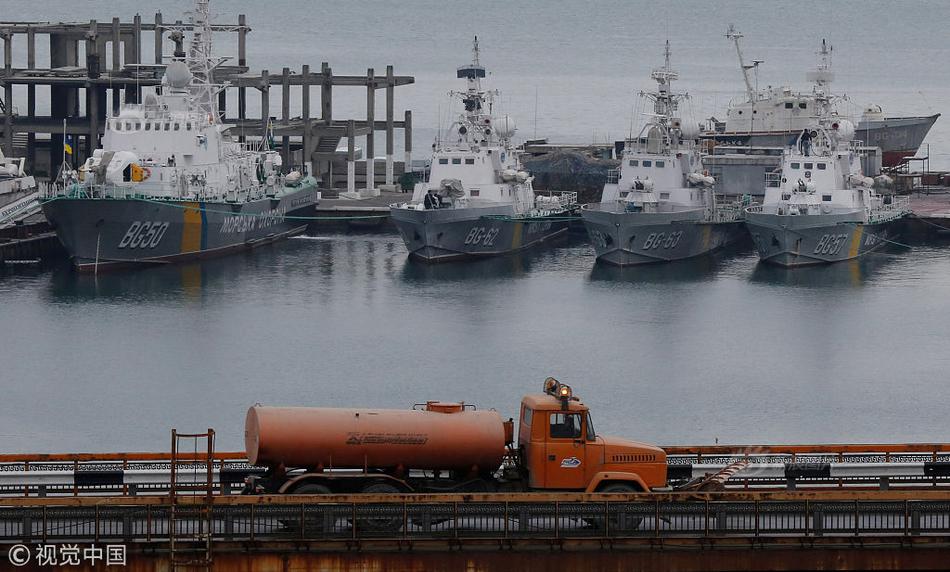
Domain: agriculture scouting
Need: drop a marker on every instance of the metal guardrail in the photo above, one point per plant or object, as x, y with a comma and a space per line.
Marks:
771, 468
483, 520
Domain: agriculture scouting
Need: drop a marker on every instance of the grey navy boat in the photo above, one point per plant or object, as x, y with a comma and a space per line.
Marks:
171, 184
659, 206
773, 117
819, 208
478, 201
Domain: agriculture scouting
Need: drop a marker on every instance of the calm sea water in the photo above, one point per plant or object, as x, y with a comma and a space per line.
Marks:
575, 65
716, 348
719, 348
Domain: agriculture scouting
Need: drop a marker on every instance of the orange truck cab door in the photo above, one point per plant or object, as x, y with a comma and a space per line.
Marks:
565, 458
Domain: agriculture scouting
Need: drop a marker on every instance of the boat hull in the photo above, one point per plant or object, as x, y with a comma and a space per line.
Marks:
441, 235
102, 234
629, 239
898, 137
805, 240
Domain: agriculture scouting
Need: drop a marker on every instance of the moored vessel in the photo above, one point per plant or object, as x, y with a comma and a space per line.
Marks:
774, 116
170, 183
479, 199
819, 208
660, 206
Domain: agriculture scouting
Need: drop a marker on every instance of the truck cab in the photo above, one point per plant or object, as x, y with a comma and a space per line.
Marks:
561, 450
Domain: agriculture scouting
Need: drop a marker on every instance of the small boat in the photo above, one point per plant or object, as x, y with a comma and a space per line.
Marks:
479, 199
660, 205
819, 208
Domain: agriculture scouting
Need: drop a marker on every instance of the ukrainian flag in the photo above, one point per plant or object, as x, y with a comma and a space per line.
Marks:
68, 144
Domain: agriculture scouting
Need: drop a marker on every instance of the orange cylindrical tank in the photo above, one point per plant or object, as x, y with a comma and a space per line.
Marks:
443, 436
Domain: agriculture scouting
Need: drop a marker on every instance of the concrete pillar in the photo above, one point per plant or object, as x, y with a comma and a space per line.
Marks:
8, 95
222, 104
265, 102
116, 63
307, 125
159, 39
351, 157
242, 61
326, 94
137, 39
242, 40
92, 95
31, 98
390, 93
371, 136
407, 130
285, 116
64, 101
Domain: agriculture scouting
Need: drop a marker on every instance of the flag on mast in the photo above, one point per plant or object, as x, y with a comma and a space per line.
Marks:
68, 144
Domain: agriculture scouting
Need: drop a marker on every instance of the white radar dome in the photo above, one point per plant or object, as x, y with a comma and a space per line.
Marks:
844, 129
689, 130
177, 75
505, 127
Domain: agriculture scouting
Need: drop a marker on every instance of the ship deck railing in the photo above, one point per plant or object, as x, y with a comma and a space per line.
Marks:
145, 191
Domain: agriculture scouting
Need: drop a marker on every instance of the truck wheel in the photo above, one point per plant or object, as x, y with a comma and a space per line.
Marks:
383, 522
312, 489
620, 523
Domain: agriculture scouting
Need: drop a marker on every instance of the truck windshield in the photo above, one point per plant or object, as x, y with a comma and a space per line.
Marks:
590, 428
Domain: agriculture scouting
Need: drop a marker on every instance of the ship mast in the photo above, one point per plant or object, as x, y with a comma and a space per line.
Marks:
200, 62
735, 35
473, 98
665, 101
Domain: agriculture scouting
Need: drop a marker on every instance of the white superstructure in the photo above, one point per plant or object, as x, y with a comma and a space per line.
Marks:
474, 162
173, 145
661, 168
821, 175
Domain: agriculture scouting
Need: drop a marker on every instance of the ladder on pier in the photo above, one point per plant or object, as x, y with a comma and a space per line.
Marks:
190, 496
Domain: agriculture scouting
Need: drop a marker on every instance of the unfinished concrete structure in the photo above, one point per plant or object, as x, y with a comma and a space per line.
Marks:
94, 65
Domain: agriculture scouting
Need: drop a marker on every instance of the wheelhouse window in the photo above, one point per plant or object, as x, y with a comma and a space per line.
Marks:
148, 126
178, 127
474, 192
634, 163
456, 160
796, 165
826, 198
789, 105
809, 165
821, 166
661, 164
565, 425
664, 196
443, 161
469, 160
803, 105
647, 163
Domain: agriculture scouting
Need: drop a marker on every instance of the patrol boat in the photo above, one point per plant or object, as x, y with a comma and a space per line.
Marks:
479, 200
819, 208
774, 116
660, 206
170, 183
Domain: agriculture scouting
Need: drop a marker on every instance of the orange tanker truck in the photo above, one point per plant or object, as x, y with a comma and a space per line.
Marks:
445, 447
